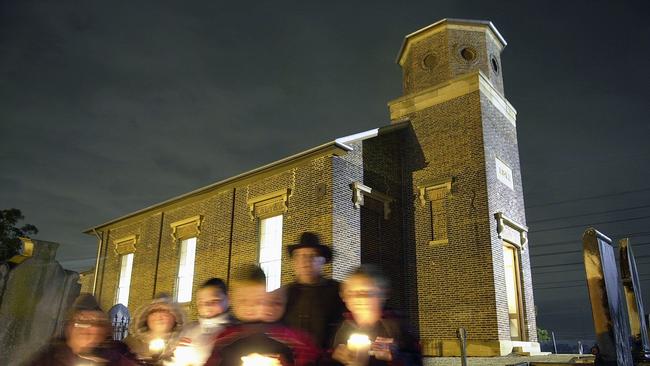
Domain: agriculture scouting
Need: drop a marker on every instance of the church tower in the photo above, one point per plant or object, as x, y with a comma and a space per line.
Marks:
466, 229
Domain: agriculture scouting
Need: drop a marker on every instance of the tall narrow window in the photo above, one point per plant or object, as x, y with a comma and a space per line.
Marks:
122, 296
271, 250
186, 270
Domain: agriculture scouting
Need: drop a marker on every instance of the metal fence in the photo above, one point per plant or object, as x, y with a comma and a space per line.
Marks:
120, 327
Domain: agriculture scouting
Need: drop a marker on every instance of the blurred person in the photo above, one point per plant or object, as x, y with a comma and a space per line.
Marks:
369, 335
258, 338
85, 341
197, 338
155, 331
274, 306
313, 301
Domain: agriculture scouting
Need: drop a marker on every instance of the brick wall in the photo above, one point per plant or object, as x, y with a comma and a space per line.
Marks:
382, 241
455, 281
500, 139
86, 281
111, 267
156, 259
346, 225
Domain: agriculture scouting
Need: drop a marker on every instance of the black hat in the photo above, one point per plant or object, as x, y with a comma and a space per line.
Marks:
86, 302
311, 240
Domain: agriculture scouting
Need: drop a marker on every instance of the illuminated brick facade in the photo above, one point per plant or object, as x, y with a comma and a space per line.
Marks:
432, 198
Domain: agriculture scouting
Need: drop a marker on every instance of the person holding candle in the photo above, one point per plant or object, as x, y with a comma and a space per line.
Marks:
154, 333
197, 338
369, 335
313, 304
85, 341
257, 338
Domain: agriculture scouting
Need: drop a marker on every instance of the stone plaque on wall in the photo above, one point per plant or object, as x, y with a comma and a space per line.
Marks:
504, 174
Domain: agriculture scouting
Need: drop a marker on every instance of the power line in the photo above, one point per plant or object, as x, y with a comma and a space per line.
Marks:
551, 244
556, 253
589, 198
580, 251
557, 287
555, 282
579, 263
559, 270
536, 273
588, 214
535, 283
568, 286
628, 235
590, 224
557, 265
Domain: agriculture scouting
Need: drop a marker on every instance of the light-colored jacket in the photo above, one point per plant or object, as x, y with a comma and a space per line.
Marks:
197, 340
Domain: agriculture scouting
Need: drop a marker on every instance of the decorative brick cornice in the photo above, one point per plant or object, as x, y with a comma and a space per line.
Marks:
448, 90
270, 204
186, 228
126, 244
359, 191
511, 231
434, 191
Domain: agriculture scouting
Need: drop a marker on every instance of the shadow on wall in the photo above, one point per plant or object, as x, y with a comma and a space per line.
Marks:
388, 162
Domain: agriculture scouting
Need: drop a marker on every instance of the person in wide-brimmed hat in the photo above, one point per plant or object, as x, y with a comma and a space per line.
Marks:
313, 302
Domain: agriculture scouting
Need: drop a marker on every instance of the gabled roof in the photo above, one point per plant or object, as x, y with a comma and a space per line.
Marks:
336, 147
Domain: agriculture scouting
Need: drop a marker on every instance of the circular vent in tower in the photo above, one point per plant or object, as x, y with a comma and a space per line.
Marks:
495, 64
429, 61
468, 54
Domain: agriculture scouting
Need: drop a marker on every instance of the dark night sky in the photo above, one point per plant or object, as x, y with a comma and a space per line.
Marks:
108, 107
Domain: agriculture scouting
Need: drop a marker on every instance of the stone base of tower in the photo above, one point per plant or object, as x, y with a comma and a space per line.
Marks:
479, 348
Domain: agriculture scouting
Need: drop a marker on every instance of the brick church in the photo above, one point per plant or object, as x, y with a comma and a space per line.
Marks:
434, 197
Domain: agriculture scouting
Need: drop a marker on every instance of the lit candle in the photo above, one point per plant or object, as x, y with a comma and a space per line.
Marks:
358, 342
185, 356
255, 359
156, 345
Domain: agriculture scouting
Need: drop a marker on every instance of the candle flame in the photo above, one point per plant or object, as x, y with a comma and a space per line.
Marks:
156, 345
255, 359
358, 341
185, 356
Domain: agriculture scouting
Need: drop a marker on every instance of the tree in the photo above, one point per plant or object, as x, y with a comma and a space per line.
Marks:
10, 233
542, 335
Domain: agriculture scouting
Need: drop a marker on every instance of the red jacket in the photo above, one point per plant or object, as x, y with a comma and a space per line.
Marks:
293, 347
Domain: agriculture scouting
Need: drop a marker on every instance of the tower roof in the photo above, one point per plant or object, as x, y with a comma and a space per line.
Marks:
439, 25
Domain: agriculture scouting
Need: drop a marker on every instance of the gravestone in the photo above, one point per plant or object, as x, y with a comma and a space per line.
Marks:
634, 301
607, 304
4, 276
37, 293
